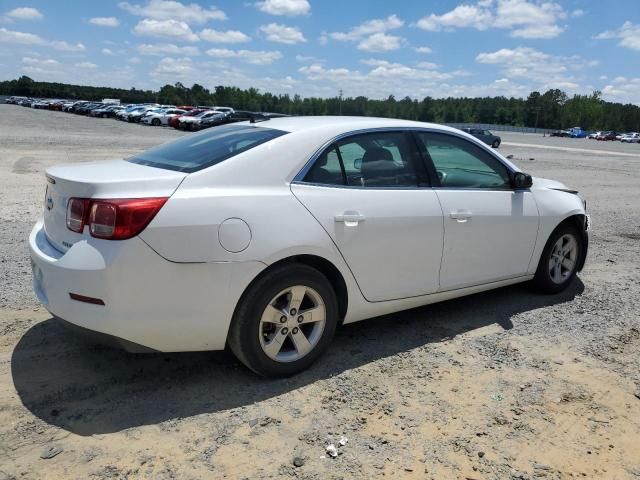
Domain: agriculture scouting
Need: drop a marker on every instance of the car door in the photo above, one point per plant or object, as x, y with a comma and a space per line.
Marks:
490, 229
368, 193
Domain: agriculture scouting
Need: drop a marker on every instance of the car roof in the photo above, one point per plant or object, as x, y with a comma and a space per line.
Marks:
347, 124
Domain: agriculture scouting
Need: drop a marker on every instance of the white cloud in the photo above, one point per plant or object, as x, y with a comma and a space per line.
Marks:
371, 35
104, 21
9, 36
22, 38
370, 27
39, 61
25, 13
255, 57
176, 11
623, 90
86, 65
68, 47
166, 49
107, 51
460, 17
524, 18
289, 8
383, 79
282, 34
173, 29
541, 70
423, 50
230, 36
174, 66
380, 42
577, 13
628, 34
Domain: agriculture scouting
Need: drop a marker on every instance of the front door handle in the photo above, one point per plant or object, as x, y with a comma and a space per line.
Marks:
350, 218
461, 216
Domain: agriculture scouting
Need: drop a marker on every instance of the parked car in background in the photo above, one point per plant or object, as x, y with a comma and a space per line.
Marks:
559, 133
175, 121
594, 135
105, 111
161, 117
40, 104
136, 115
577, 132
606, 136
213, 120
485, 135
632, 137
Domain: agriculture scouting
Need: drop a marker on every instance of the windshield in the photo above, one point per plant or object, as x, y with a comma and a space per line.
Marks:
201, 150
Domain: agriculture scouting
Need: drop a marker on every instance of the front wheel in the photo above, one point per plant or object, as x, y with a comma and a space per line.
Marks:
155, 122
284, 321
559, 261
496, 144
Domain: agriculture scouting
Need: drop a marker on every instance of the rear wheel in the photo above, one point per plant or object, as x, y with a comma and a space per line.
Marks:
155, 122
559, 261
284, 321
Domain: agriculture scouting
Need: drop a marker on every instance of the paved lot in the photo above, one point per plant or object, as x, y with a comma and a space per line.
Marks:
506, 384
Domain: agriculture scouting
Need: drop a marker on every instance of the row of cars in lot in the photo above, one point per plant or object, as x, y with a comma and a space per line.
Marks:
603, 136
184, 117
630, 137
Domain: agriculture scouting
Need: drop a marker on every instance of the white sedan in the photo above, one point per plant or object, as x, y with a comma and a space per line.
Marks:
633, 137
266, 236
161, 117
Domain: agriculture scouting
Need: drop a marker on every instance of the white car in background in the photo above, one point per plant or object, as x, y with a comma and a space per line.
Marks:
193, 123
267, 236
161, 117
633, 137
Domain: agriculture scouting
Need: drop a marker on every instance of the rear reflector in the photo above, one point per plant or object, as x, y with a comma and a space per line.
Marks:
113, 219
82, 298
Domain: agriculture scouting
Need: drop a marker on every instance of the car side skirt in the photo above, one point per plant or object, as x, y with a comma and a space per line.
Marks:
373, 309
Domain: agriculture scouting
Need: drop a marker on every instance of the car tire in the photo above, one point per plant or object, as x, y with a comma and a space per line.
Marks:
155, 122
559, 261
273, 347
495, 144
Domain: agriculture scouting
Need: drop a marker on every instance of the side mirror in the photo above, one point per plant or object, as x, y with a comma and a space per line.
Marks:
522, 180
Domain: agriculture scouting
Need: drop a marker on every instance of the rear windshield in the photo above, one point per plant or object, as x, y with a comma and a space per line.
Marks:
196, 151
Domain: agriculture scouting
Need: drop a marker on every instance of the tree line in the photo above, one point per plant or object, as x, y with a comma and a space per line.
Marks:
552, 109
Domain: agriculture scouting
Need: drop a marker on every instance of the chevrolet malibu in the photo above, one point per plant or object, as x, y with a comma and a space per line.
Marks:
266, 236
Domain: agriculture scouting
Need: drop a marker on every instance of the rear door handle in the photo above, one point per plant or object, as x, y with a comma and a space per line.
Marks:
461, 216
350, 218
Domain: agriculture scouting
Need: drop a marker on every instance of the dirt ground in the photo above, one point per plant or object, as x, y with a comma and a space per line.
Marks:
507, 384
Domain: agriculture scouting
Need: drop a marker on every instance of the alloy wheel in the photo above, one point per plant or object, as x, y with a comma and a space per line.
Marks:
292, 324
563, 260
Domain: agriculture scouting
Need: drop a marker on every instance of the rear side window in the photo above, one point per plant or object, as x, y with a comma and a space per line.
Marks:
380, 159
197, 151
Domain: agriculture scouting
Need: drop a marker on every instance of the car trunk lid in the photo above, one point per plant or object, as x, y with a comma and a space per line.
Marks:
105, 180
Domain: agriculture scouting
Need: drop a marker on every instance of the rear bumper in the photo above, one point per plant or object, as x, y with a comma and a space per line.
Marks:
148, 300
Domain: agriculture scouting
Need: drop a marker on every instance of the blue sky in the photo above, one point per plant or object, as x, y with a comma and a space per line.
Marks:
317, 47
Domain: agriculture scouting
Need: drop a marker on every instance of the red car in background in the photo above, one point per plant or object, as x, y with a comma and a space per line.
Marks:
606, 136
188, 108
175, 121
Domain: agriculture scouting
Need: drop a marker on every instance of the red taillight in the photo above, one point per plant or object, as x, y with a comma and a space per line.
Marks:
115, 219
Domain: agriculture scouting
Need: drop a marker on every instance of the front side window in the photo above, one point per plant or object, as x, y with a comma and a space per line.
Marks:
461, 164
380, 159
201, 150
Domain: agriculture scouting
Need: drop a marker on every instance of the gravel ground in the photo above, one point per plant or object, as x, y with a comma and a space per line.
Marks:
505, 384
